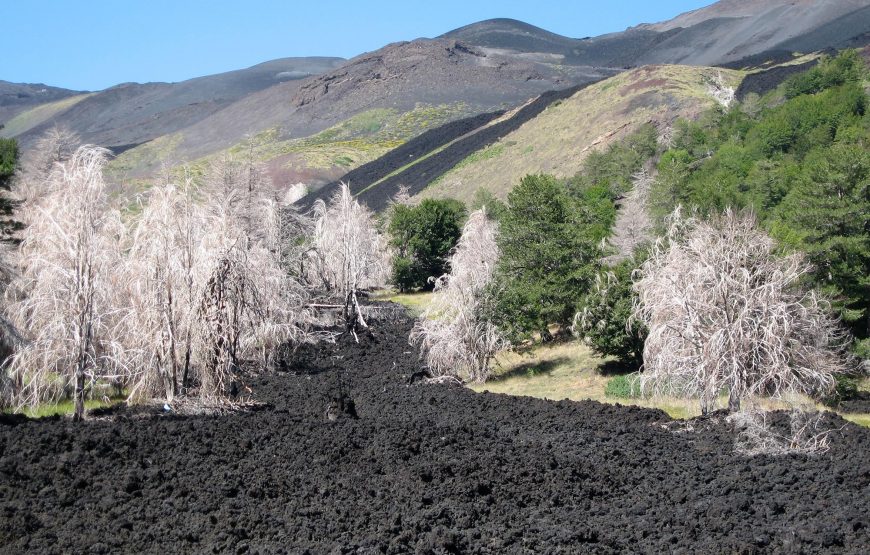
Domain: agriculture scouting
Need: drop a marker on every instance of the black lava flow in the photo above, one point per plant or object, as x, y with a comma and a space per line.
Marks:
348, 457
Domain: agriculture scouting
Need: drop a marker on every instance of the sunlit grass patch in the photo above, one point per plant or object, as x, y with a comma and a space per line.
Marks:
416, 303
66, 407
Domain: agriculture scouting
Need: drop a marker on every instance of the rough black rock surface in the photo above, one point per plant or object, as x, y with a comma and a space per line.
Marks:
426, 469
765, 81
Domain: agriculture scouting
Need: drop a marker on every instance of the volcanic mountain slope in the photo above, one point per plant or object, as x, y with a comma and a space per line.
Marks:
722, 32
552, 133
559, 139
400, 77
19, 97
133, 113
502, 63
300, 126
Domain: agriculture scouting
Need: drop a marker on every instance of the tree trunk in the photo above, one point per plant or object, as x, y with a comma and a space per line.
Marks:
79, 395
733, 402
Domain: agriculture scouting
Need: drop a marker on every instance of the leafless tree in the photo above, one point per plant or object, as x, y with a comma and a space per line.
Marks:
633, 225
63, 297
57, 145
719, 90
724, 311
453, 331
757, 435
161, 261
349, 254
246, 302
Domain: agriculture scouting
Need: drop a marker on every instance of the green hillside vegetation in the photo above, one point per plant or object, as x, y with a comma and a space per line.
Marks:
800, 160
797, 158
360, 139
26, 121
558, 140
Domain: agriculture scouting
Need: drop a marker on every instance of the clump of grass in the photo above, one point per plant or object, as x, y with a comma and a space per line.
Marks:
66, 407
625, 386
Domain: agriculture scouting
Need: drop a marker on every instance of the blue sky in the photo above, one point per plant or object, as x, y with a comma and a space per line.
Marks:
93, 44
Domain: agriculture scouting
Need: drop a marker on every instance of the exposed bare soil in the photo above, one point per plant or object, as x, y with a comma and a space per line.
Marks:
427, 469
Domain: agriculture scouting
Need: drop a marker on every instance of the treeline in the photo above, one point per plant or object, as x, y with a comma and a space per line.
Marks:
799, 158
169, 300
763, 203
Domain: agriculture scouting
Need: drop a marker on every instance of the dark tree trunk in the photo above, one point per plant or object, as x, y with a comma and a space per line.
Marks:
79, 396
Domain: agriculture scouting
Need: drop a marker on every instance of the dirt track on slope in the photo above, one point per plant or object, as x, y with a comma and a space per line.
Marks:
426, 469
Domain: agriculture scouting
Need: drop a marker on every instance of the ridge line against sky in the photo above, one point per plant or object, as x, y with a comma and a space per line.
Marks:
98, 44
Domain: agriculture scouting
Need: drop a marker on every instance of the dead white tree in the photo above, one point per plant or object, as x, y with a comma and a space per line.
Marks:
210, 286
57, 145
757, 435
725, 312
247, 302
453, 331
160, 263
633, 225
64, 296
349, 254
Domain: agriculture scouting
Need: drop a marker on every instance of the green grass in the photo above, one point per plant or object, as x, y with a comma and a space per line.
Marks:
66, 407
147, 157
31, 118
570, 370
416, 303
859, 419
567, 370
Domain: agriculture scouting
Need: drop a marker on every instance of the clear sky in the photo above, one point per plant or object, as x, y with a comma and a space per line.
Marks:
93, 44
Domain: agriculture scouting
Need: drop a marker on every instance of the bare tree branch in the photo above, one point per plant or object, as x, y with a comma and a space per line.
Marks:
724, 311
453, 331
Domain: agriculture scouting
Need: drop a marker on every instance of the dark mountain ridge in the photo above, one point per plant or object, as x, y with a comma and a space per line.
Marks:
491, 65
18, 97
133, 113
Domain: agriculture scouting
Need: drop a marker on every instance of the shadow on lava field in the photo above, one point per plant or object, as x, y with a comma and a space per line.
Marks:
429, 469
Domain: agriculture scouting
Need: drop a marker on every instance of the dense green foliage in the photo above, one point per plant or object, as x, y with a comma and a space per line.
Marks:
604, 314
8, 161
801, 161
613, 167
831, 72
551, 249
8, 165
495, 208
549, 245
423, 236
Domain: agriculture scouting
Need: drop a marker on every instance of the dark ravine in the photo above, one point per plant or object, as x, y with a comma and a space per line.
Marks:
425, 469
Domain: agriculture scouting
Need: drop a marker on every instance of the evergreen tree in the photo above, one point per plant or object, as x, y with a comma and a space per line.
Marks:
549, 251
8, 166
423, 236
827, 215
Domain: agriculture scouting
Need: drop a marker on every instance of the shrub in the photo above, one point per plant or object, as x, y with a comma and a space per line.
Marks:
604, 318
454, 332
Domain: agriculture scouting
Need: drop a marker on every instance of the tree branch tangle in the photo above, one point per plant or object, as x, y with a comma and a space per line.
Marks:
724, 311
454, 333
